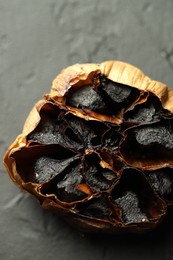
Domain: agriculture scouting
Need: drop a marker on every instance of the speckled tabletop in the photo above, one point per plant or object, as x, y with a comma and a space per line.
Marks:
38, 38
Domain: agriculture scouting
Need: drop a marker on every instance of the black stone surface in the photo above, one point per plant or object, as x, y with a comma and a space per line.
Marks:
38, 38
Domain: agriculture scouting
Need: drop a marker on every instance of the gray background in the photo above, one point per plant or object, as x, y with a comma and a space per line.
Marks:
38, 38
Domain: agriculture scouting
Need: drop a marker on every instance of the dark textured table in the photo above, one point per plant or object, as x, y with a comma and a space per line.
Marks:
38, 38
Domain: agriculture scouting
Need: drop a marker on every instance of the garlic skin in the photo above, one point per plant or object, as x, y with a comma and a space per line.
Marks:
71, 79
116, 71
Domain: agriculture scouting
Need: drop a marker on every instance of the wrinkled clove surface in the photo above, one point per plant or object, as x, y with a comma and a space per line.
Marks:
102, 157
